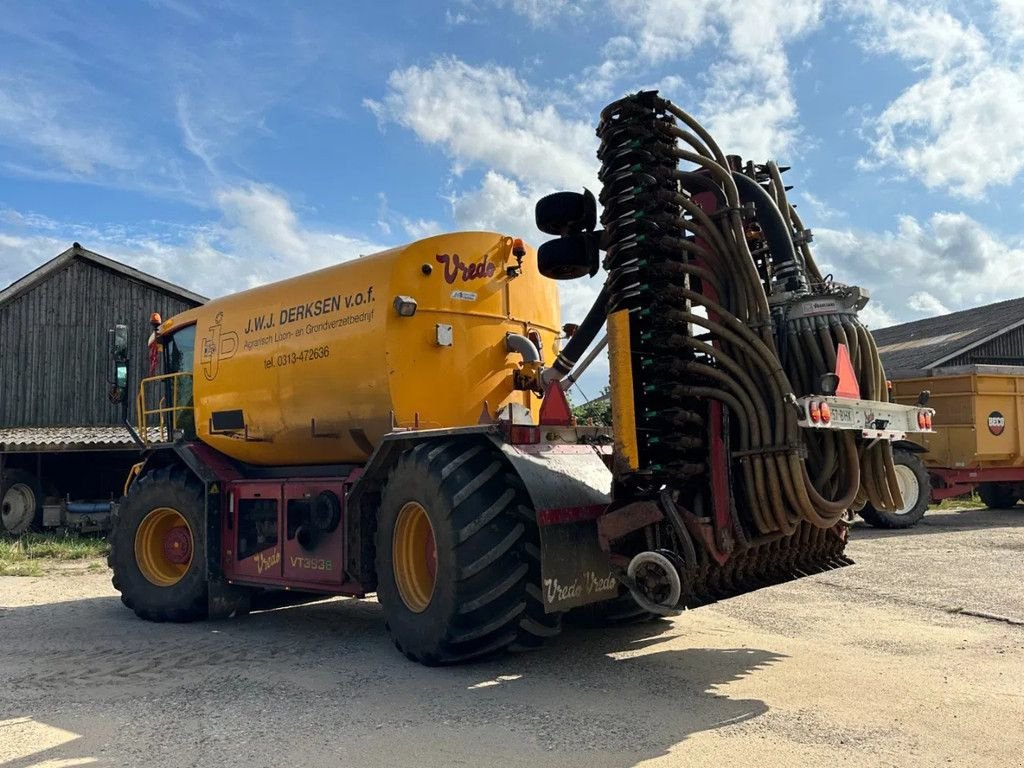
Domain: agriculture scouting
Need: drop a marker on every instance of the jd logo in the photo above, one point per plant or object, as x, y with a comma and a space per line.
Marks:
219, 345
996, 423
455, 267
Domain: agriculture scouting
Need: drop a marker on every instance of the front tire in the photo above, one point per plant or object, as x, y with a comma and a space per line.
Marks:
915, 485
458, 557
158, 547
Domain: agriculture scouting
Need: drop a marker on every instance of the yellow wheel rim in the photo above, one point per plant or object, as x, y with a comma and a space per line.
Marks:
164, 546
415, 557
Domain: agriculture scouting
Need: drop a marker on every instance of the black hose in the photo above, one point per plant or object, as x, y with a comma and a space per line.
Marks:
583, 337
776, 231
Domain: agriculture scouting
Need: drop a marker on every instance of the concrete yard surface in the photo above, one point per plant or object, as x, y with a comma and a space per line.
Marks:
912, 657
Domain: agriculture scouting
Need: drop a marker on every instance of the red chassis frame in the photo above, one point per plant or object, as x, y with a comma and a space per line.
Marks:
957, 482
280, 561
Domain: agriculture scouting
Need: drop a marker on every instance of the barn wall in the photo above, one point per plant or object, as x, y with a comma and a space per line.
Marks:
54, 364
1007, 349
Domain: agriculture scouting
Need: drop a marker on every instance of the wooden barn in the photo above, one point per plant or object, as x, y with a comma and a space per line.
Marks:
988, 335
61, 439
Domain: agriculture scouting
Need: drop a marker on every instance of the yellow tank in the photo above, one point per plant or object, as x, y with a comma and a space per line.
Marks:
317, 368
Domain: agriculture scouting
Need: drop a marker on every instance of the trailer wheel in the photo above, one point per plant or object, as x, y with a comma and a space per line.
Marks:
458, 557
158, 545
915, 485
998, 495
21, 502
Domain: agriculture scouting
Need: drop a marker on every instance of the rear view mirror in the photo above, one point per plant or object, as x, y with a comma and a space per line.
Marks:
119, 349
119, 361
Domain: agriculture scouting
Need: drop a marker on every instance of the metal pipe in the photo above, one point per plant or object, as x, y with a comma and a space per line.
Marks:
580, 341
87, 507
516, 342
580, 369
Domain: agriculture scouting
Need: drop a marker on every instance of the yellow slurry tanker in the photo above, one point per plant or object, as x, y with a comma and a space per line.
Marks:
397, 425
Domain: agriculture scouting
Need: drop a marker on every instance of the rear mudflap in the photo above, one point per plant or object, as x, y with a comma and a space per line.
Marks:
569, 486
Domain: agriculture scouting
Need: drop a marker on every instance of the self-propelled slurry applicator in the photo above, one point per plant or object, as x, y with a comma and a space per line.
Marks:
396, 424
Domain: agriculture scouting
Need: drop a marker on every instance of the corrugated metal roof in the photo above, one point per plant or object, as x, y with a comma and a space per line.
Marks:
64, 438
76, 251
930, 342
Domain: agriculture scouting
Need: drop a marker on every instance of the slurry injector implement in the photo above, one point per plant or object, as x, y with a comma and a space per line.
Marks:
397, 425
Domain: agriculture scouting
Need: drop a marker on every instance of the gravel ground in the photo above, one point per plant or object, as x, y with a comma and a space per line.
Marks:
913, 657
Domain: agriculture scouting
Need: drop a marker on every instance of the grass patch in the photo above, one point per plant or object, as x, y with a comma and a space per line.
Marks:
967, 501
21, 555
28, 568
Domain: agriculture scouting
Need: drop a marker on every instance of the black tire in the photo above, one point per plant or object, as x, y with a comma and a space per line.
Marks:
174, 488
562, 213
18, 481
620, 611
998, 495
567, 258
486, 595
913, 472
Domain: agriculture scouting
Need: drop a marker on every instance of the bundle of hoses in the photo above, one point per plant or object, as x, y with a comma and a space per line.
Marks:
709, 262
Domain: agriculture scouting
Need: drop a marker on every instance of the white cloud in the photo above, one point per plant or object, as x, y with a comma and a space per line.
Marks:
540, 13
925, 33
256, 239
957, 128
820, 210
416, 229
958, 131
1008, 18
747, 100
924, 302
499, 203
923, 268
488, 117
876, 316
34, 117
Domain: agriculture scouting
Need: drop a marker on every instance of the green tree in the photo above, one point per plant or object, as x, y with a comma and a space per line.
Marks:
597, 412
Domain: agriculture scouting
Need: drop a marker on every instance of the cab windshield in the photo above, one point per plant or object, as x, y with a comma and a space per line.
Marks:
179, 355
179, 351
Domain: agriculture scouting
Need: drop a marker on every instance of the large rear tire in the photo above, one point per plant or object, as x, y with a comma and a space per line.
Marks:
21, 502
458, 556
998, 495
158, 547
915, 485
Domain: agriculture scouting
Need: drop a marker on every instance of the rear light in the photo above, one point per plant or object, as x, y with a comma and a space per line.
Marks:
826, 413
922, 419
814, 411
928, 420
520, 434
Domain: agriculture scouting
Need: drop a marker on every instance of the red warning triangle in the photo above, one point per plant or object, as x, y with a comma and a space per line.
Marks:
554, 408
848, 386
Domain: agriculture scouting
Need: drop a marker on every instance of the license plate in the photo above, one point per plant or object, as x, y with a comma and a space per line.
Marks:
845, 415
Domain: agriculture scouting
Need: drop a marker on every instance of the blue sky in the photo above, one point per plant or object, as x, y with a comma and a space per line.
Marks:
224, 144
